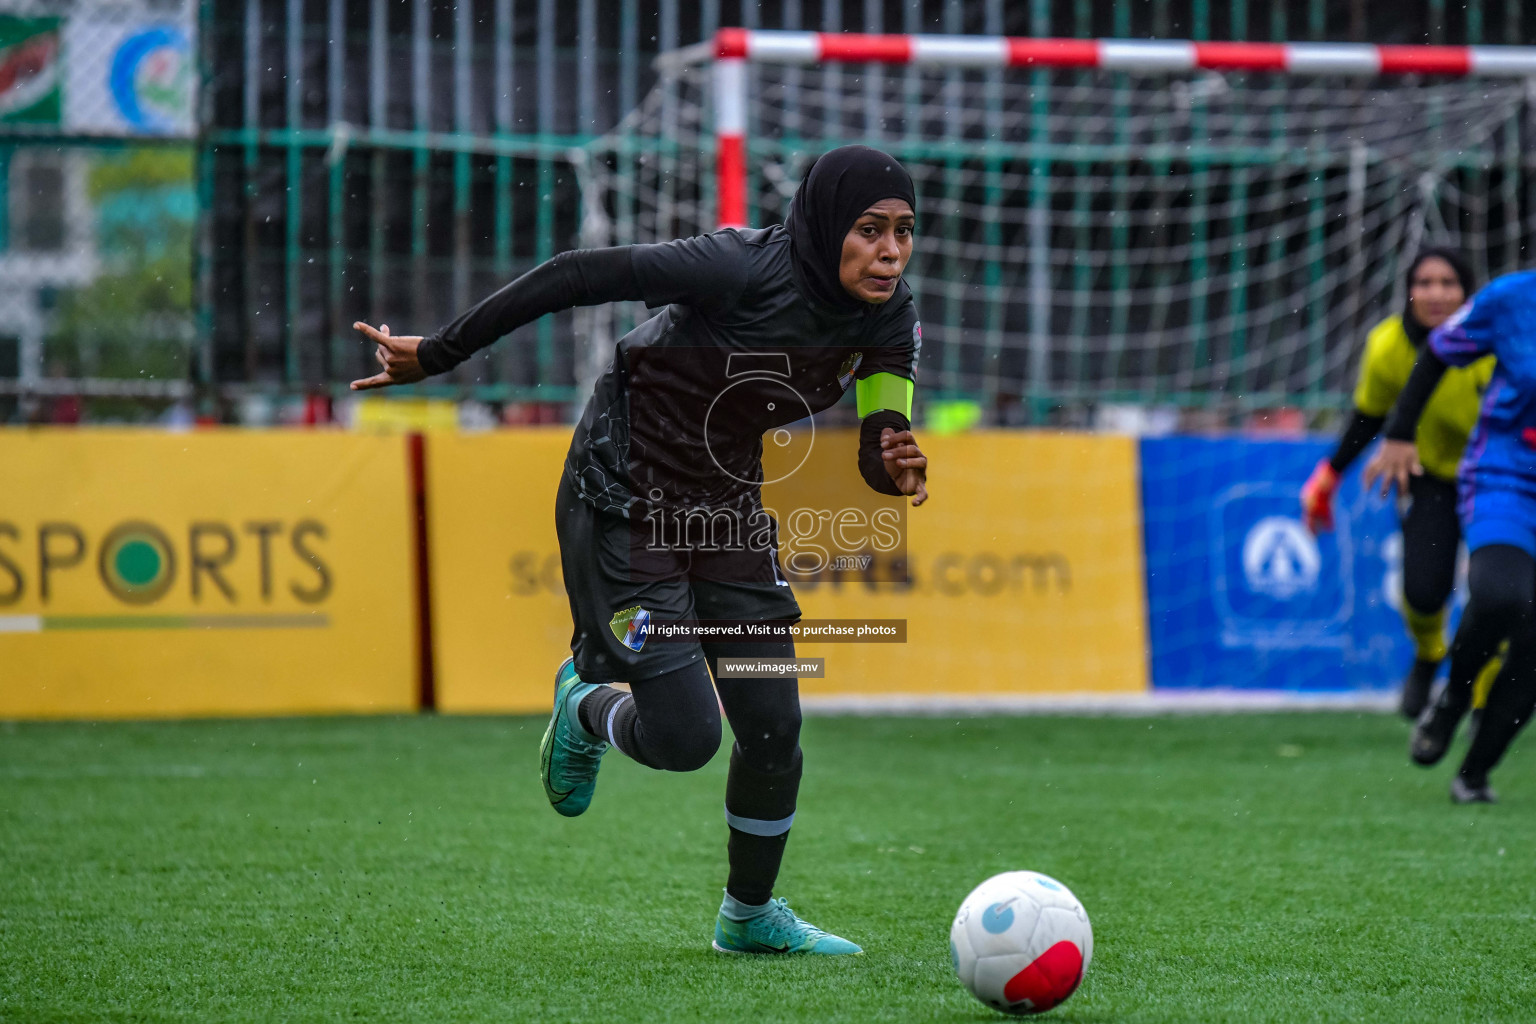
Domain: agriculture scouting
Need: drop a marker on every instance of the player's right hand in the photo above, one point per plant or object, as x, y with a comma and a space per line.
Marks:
906, 463
1317, 497
1396, 463
396, 354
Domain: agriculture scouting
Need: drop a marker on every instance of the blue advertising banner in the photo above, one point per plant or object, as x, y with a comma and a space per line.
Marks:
1242, 596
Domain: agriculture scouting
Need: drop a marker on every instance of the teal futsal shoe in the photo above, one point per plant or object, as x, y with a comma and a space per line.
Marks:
776, 930
569, 756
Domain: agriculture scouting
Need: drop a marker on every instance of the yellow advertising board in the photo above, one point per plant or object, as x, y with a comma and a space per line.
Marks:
207, 573
500, 621
1025, 573
1026, 576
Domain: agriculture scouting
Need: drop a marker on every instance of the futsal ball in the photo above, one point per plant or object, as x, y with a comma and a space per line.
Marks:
1021, 942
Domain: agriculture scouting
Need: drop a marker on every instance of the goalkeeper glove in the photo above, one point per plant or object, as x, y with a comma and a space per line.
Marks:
1317, 498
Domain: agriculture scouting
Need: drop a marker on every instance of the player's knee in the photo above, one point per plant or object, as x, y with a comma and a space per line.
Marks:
693, 755
771, 746
688, 750
771, 760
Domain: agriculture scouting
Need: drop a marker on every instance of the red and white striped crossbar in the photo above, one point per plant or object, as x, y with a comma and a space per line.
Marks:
1146, 55
736, 46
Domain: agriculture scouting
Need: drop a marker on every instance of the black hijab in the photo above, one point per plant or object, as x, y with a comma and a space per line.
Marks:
1415, 330
839, 186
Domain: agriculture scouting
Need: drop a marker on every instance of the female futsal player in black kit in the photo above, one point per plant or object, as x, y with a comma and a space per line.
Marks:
817, 305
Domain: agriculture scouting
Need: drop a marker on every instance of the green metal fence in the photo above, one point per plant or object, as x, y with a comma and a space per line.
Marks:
394, 160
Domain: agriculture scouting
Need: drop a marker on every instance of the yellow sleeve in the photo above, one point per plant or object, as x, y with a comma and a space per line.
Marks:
1380, 383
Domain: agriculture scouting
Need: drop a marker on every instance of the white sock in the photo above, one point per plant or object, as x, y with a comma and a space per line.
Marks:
738, 911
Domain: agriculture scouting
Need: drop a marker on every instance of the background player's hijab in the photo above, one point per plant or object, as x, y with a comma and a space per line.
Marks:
1416, 331
839, 186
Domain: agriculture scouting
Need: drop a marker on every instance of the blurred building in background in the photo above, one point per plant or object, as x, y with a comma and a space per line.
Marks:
199, 199
97, 205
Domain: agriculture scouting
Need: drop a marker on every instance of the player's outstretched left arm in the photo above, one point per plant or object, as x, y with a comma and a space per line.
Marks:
905, 462
397, 356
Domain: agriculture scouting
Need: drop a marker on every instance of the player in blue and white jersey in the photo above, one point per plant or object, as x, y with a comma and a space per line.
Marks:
1496, 487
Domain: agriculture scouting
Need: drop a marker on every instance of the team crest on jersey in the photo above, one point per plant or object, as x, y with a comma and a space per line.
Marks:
849, 368
631, 626
917, 343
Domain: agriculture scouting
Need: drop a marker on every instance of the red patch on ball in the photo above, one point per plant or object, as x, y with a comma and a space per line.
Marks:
1053, 977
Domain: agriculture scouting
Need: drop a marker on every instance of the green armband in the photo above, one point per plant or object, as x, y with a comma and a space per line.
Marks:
884, 391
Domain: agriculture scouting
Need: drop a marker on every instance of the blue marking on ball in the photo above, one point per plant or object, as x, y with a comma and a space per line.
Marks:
997, 918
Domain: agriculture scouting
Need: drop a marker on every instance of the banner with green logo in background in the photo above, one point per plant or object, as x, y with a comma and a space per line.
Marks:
146, 573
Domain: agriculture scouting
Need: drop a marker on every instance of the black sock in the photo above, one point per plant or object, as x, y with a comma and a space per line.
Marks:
754, 866
759, 807
595, 707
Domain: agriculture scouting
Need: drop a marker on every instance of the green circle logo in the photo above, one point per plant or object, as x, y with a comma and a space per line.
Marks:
137, 563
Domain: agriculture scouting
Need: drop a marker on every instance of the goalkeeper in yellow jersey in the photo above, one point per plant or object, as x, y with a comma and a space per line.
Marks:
1439, 281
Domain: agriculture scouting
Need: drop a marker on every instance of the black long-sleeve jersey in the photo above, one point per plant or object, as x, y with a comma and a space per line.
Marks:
740, 348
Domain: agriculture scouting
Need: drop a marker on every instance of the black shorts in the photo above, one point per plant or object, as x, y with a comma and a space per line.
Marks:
618, 585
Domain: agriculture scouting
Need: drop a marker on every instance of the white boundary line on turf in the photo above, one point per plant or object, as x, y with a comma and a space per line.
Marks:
1192, 702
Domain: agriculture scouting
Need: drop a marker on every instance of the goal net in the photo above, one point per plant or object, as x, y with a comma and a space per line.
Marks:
1091, 237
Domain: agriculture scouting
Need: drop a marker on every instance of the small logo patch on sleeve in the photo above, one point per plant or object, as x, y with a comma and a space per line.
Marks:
631, 626
848, 369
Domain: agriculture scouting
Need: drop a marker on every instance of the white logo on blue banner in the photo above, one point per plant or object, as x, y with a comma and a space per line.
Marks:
1276, 585
1280, 558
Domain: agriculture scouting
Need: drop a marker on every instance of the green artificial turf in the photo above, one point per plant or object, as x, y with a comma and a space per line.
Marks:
1248, 868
